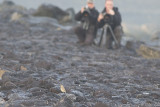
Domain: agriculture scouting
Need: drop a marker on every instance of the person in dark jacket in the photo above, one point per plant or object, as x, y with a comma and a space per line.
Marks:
111, 16
87, 30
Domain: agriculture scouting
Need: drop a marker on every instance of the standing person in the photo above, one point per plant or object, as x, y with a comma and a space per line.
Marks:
111, 16
86, 31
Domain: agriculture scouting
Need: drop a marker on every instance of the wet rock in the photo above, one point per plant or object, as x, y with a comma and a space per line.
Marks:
156, 36
8, 2
11, 11
68, 18
2, 72
6, 77
101, 105
2, 101
155, 39
124, 101
155, 95
50, 11
77, 82
46, 84
36, 91
65, 102
8, 82
15, 16
71, 13
43, 64
27, 103
13, 97
149, 52
55, 90
133, 45
55, 12
9, 55
71, 97
79, 95
9, 85
116, 97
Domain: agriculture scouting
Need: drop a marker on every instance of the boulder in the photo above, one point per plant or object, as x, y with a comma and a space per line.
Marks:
10, 11
15, 16
156, 36
149, 52
133, 45
9, 5
8, 2
142, 49
55, 12
50, 11
69, 17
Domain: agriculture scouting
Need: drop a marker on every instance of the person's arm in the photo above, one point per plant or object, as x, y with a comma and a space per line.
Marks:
78, 16
100, 21
117, 17
100, 24
94, 16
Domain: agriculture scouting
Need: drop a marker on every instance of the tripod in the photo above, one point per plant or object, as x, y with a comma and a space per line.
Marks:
105, 30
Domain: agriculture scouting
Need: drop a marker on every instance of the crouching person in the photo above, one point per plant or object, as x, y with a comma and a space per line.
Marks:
87, 30
110, 21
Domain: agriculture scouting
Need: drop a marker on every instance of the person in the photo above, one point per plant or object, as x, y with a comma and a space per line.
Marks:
112, 17
86, 31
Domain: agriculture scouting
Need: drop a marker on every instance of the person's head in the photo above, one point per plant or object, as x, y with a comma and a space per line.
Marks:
90, 4
109, 4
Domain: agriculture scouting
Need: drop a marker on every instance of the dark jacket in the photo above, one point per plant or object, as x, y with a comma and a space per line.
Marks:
92, 17
112, 20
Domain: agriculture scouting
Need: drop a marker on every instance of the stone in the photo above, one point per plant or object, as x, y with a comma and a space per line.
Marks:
101, 105
2, 73
50, 11
15, 16
55, 12
133, 45
12, 12
65, 102
69, 17
55, 90
149, 51
156, 36
43, 64
8, 2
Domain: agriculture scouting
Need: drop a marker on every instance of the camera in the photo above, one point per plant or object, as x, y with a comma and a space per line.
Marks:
86, 14
86, 11
108, 18
86, 18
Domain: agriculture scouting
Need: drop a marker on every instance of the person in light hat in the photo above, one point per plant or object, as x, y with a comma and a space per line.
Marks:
111, 16
86, 31
89, 1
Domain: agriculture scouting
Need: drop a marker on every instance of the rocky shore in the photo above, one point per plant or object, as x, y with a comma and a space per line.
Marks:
38, 55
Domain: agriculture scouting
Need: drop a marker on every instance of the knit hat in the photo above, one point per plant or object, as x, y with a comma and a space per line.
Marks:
109, 0
89, 1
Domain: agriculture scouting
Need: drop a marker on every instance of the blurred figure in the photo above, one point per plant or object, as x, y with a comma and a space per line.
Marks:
111, 18
87, 30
